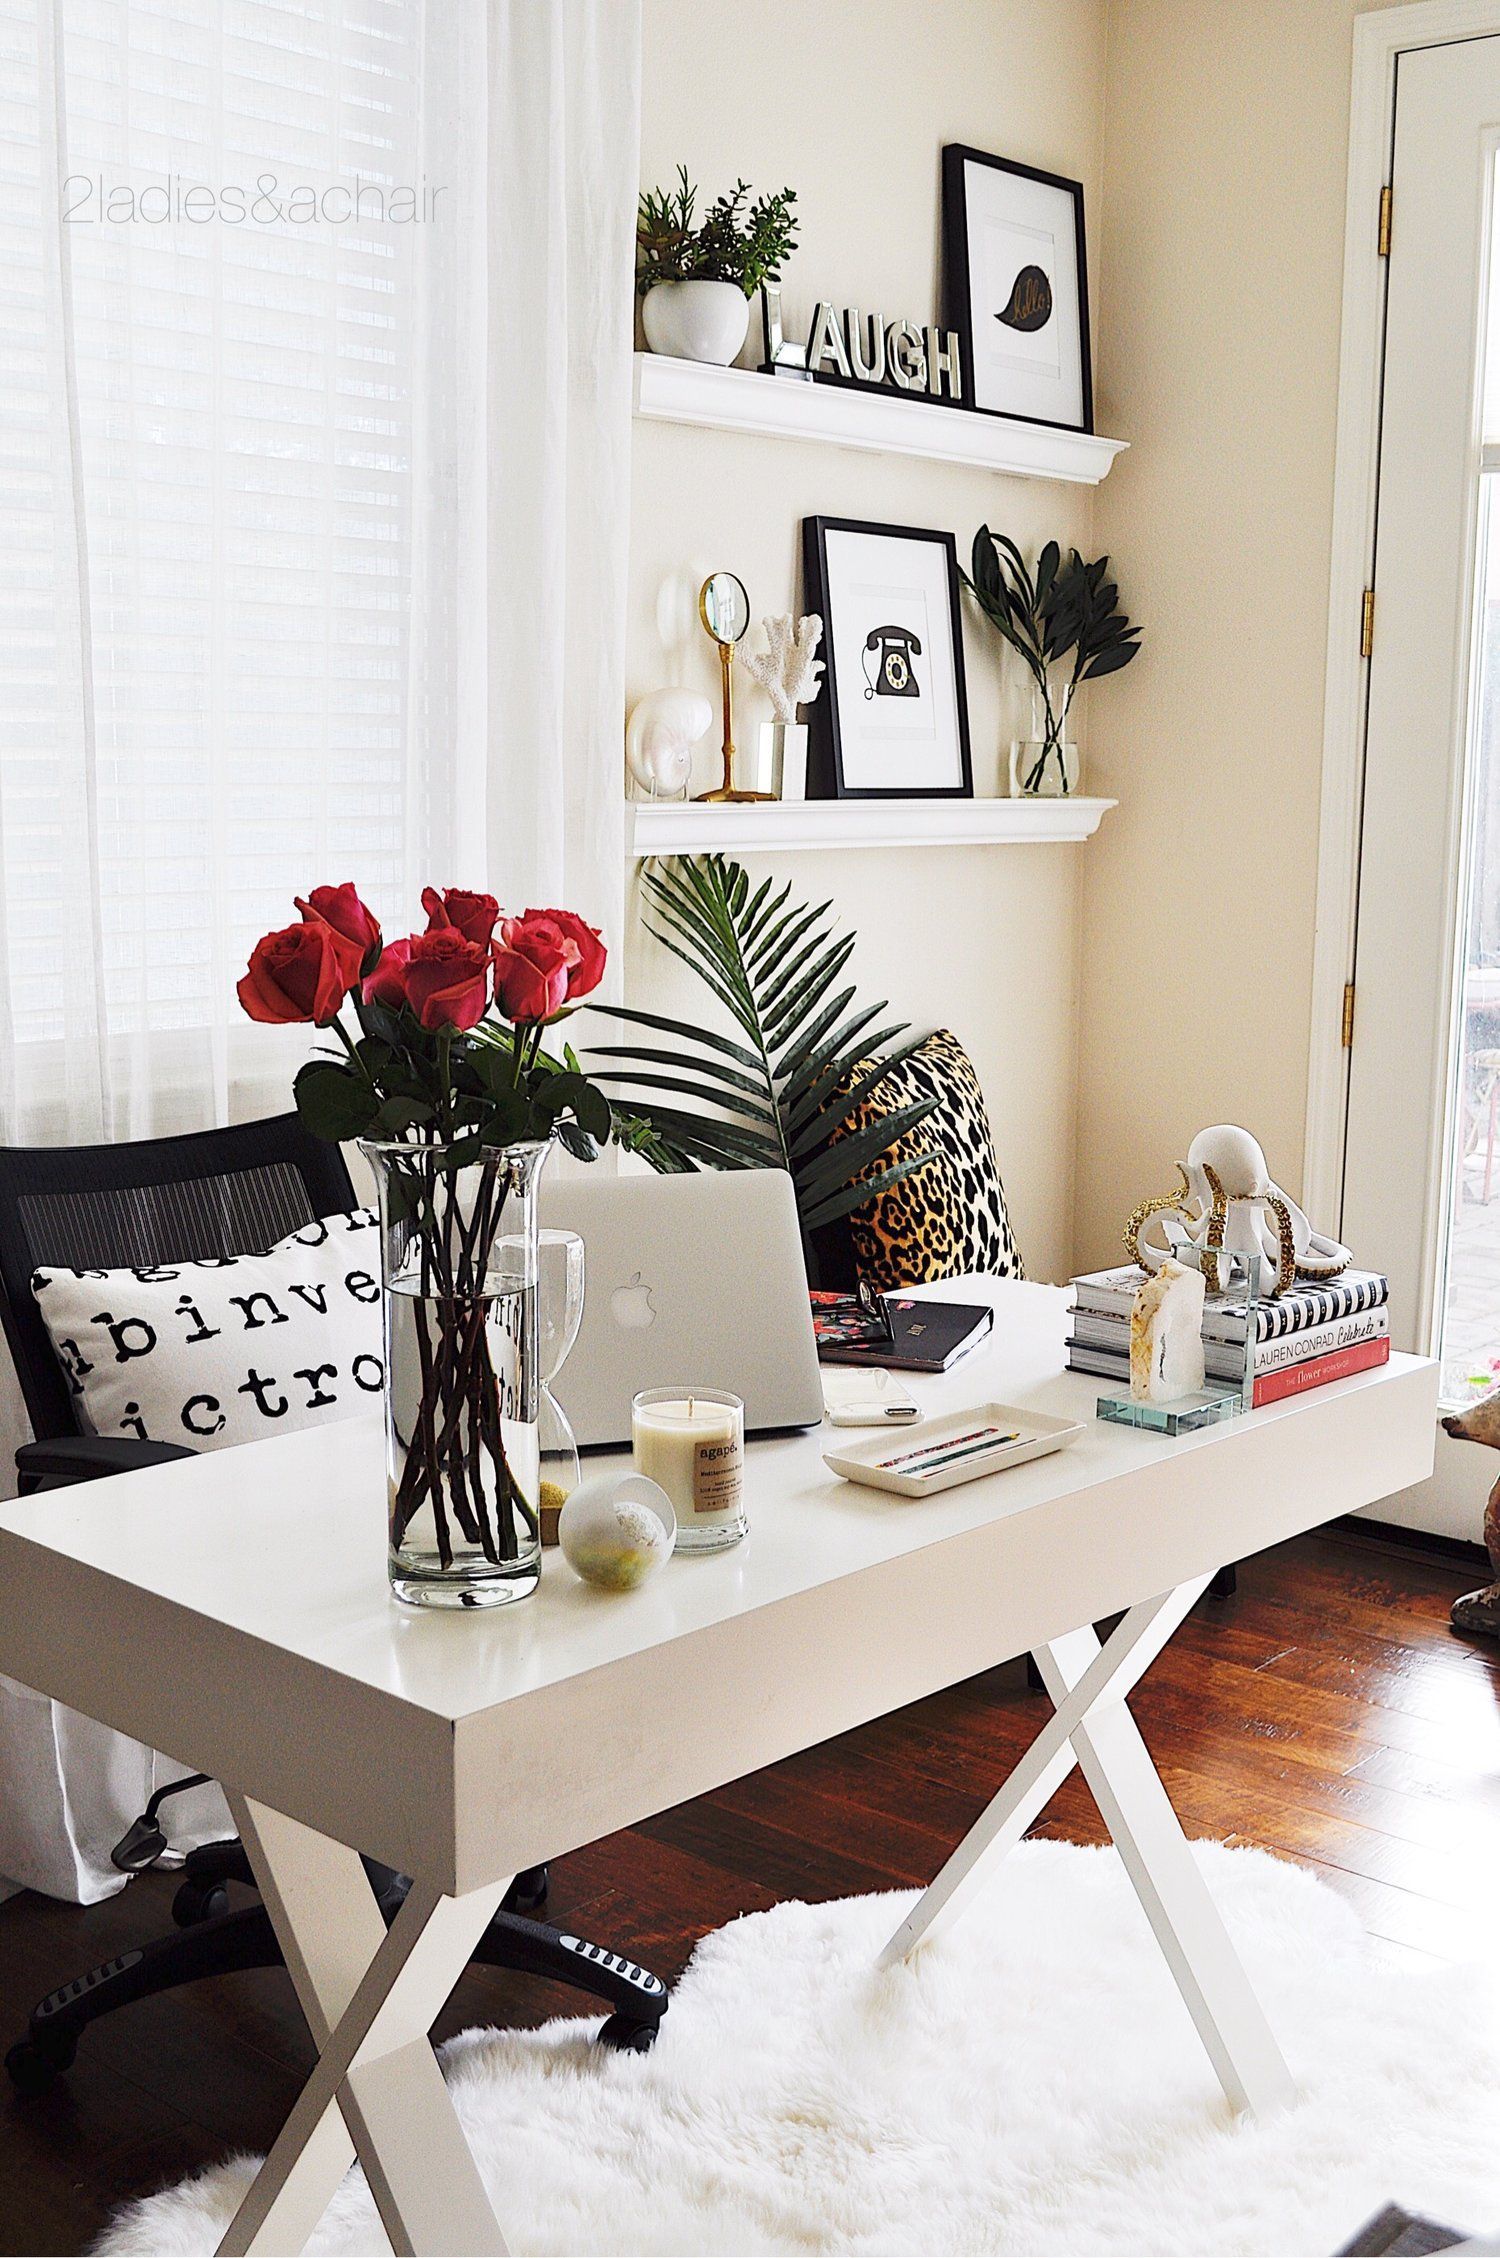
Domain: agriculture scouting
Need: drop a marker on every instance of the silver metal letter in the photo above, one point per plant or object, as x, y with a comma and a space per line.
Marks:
825, 341
782, 358
873, 370
943, 360
908, 360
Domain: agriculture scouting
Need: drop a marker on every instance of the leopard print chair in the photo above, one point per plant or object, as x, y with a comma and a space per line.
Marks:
948, 1217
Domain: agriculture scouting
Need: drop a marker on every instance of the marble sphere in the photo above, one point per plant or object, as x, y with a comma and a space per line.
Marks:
616, 1530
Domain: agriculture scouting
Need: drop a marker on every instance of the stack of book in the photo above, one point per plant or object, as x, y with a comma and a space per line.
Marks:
1306, 1337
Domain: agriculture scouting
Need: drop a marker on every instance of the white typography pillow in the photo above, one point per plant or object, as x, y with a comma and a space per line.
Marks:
227, 1350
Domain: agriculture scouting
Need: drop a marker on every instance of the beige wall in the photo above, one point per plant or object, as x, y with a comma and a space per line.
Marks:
851, 106
1120, 995
1221, 257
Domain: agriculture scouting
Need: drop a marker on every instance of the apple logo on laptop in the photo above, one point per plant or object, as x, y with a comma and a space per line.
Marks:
631, 1305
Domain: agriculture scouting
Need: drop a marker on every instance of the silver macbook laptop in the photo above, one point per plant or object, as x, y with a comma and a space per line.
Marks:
693, 1280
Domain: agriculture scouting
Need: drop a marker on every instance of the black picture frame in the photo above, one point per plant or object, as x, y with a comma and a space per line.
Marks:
958, 310
828, 777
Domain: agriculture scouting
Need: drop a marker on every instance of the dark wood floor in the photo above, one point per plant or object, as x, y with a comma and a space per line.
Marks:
1325, 1712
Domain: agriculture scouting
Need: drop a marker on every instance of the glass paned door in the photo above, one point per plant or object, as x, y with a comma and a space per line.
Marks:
1468, 1306
1422, 1148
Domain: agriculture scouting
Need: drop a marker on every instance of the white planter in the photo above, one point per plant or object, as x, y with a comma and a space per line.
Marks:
696, 321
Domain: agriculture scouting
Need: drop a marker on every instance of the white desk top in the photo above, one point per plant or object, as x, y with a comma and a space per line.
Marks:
235, 1608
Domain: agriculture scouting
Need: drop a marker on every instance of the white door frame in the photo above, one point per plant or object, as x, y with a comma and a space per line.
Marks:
1380, 36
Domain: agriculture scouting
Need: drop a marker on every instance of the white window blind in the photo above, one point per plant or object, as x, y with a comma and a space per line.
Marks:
207, 551
314, 423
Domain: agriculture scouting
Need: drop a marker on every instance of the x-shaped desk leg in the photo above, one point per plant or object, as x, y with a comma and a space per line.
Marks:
1092, 1727
370, 1997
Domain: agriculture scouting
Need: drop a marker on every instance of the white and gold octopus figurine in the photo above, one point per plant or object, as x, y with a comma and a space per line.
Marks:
1229, 1201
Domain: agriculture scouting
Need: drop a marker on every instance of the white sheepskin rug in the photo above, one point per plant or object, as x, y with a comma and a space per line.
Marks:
1032, 2083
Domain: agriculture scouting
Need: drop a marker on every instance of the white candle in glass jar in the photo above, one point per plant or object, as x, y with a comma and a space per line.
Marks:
692, 1441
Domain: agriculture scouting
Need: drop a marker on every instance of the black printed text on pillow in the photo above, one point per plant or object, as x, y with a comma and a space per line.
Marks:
225, 1350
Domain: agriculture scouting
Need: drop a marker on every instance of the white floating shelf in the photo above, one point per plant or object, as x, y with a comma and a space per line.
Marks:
695, 827
736, 399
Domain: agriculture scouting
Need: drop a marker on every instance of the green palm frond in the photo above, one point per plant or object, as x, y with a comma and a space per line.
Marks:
781, 1088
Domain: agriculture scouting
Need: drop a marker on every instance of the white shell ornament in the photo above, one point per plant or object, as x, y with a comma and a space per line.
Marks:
616, 1530
663, 728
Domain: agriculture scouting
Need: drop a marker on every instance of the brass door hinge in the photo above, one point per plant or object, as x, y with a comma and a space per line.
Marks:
1367, 624
1346, 1032
1383, 239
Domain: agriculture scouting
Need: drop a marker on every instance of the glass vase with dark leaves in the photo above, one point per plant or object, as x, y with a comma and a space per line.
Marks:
1064, 622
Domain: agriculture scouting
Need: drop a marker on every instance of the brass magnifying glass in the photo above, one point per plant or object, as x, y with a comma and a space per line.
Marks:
724, 609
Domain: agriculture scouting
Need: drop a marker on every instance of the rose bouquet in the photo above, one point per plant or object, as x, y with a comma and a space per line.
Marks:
435, 1056
444, 1079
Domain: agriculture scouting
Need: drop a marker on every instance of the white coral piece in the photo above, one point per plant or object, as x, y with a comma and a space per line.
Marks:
788, 670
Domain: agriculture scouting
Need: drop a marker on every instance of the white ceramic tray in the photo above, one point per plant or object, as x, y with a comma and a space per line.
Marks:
895, 1459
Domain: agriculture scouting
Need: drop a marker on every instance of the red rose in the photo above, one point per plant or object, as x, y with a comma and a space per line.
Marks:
341, 907
439, 977
533, 960
473, 915
387, 983
300, 974
588, 971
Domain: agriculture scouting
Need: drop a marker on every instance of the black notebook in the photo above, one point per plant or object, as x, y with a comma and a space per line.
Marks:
926, 1336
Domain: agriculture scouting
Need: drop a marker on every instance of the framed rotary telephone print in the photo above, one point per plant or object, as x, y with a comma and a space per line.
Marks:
894, 721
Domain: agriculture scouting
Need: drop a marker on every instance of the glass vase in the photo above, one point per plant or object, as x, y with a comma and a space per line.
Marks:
1045, 765
458, 1238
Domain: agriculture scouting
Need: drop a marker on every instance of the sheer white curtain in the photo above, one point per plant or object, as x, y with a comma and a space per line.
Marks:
315, 409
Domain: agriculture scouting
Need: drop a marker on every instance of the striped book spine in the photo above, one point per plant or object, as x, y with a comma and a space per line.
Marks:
1302, 1308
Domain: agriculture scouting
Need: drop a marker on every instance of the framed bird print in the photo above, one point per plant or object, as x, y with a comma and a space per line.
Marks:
894, 722
1015, 281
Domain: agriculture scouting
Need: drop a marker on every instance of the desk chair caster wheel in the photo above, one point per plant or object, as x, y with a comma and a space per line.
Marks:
528, 1892
198, 1901
32, 2068
623, 2034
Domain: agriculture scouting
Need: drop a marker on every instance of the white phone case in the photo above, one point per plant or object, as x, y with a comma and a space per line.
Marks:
872, 1414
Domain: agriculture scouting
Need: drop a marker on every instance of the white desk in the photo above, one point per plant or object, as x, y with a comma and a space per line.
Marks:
234, 1612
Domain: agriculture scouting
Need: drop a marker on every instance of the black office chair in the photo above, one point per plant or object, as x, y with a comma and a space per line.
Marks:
180, 1199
